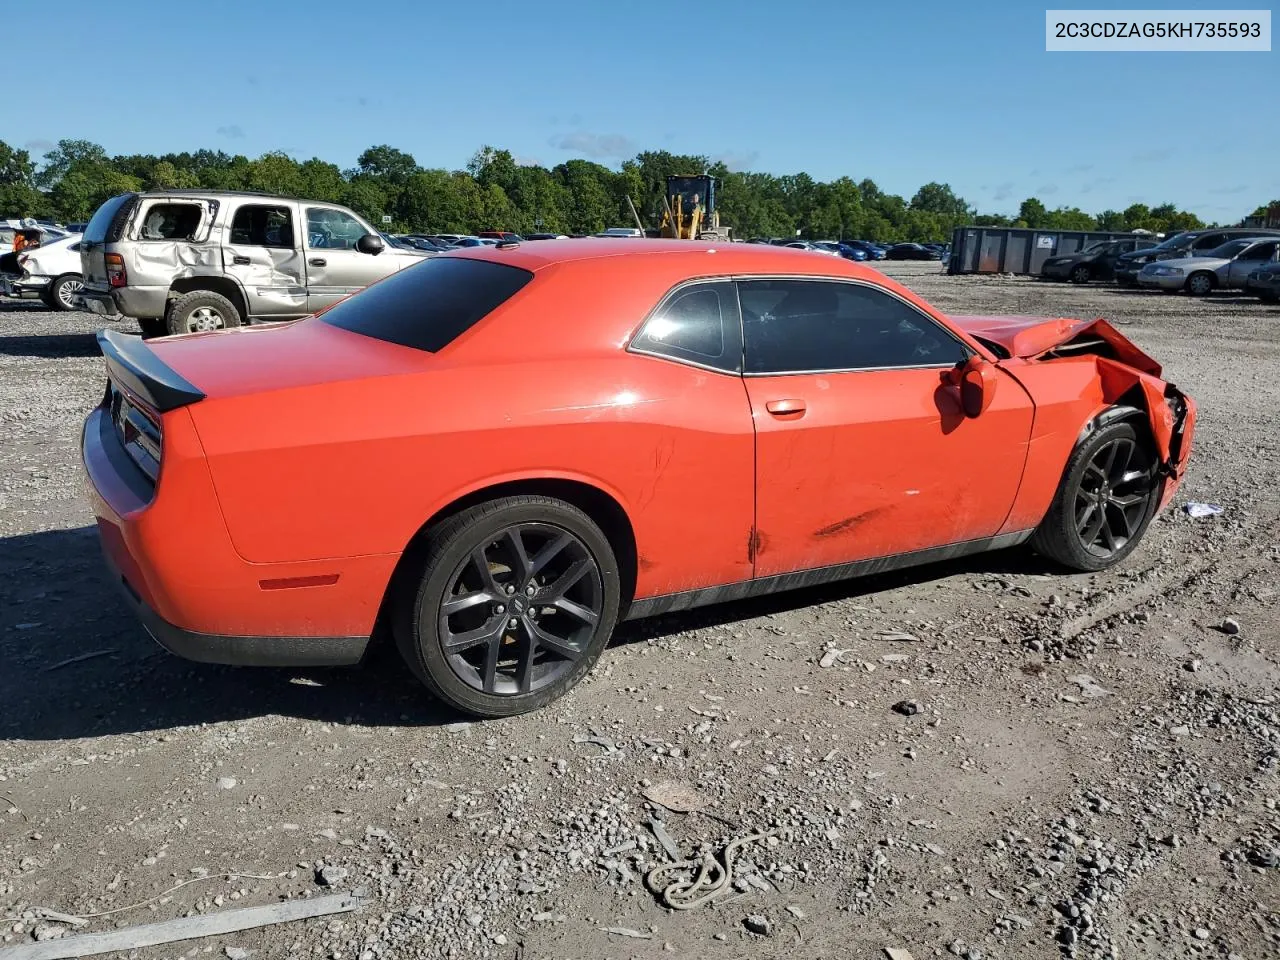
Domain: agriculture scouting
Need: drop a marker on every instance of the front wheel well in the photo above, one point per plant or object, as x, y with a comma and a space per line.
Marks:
602, 508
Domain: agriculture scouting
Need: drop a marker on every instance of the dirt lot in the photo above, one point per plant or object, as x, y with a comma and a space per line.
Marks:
1093, 769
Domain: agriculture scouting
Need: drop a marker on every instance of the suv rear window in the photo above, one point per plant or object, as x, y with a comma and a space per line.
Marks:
105, 225
427, 306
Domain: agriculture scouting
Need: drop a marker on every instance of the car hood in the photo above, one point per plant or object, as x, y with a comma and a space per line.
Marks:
282, 356
1030, 337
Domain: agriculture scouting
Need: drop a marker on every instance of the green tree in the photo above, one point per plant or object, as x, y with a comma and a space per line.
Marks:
66, 156
1032, 213
18, 194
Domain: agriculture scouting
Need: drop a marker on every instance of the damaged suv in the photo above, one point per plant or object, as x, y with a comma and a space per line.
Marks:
182, 261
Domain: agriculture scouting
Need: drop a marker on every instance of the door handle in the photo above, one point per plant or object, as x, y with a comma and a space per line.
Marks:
783, 408
240, 260
317, 261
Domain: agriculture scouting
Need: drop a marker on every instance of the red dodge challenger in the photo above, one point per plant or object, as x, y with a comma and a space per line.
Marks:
499, 454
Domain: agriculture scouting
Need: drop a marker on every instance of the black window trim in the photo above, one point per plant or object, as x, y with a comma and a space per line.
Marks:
965, 348
733, 347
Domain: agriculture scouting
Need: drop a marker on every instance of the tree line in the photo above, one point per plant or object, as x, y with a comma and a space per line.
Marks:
495, 192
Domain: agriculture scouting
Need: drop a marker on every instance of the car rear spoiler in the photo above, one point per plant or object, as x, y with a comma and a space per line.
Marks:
136, 367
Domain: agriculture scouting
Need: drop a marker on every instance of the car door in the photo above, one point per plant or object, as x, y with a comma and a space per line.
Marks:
861, 450
262, 252
335, 268
1105, 265
1259, 255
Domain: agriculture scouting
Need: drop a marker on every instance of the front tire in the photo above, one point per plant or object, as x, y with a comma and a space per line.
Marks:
514, 603
1081, 274
200, 311
1200, 284
1109, 493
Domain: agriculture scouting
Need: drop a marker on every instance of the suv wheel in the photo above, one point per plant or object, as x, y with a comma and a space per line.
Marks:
200, 311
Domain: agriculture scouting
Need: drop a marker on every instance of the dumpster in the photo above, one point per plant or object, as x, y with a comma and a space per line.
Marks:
1018, 249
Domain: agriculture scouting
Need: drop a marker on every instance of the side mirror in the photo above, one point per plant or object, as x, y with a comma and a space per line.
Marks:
371, 244
976, 379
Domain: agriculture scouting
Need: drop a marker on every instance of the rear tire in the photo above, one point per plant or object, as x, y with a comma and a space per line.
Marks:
200, 311
62, 291
526, 627
1108, 495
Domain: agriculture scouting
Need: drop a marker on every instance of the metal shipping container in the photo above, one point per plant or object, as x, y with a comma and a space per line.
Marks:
1018, 249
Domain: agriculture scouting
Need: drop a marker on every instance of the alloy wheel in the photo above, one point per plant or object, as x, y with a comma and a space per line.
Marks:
1199, 285
1114, 496
68, 292
204, 318
521, 610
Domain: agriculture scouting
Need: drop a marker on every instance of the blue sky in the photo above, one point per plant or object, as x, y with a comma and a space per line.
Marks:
902, 92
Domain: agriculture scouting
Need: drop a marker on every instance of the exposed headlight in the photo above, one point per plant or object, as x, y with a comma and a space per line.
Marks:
1166, 271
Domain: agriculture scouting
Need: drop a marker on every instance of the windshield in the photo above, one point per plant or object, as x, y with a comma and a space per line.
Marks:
428, 305
1179, 241
690, 190
1228, 249
1098, 247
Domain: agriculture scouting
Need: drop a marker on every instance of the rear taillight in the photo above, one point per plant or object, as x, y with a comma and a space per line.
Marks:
116, 275
138, 428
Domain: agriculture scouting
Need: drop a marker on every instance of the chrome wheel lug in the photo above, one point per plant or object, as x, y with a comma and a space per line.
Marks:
510, 589
530, 590
500, 608
513, 622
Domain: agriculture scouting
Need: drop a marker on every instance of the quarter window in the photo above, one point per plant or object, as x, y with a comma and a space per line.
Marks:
697, 323
171, 221
802, 326
329, 229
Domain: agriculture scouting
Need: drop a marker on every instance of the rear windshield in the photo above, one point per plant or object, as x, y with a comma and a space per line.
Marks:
99, 224
428, 305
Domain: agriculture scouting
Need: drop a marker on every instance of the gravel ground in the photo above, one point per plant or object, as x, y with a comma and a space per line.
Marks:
1092, 769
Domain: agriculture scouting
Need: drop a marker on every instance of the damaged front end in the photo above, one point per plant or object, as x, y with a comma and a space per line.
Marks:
1124, 378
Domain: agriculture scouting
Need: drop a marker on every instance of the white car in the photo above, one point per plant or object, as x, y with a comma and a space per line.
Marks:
50, 271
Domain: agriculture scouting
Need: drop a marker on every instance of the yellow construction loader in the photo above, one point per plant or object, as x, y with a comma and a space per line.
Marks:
689, 210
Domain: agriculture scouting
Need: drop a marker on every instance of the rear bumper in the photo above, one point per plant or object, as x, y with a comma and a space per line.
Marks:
172, 557
239, 651
11, 286
141, 302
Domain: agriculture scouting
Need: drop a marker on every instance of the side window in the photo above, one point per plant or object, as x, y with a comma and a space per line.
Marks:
171, 221
801, 326
697, 323
1261, 251
261, 225
1124, 246
329, 229
1209, 241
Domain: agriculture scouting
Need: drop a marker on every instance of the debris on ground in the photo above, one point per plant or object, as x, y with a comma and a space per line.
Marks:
1201, 510
676, 795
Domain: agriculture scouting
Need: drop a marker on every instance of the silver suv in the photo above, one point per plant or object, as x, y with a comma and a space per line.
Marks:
182, 261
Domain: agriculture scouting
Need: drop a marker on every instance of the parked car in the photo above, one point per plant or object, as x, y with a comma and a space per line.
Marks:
422, 242
1264, 283
911, 251
547, 236
505, 236
1095, 262
872, 251
50, 272
622, 232
464, 242
811, 247
1189, 243
266, 496
185, 260
1226, 268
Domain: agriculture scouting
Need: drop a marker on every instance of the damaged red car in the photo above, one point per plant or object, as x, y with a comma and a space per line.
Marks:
497, 455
